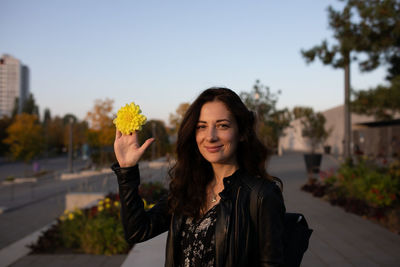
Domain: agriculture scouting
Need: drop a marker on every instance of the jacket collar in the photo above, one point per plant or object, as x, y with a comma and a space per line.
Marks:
230, 183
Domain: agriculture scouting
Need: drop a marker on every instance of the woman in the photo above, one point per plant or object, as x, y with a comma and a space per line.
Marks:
220, 161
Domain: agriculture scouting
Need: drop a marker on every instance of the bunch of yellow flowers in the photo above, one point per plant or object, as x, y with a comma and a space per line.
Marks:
70, 215
105, 204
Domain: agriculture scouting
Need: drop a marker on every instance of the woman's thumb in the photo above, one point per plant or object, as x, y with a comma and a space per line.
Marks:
146, 144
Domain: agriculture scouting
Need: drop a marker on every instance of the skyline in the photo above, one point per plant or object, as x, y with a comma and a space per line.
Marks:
160, 54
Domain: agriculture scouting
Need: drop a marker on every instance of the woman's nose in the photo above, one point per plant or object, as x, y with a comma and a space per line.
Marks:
212, 134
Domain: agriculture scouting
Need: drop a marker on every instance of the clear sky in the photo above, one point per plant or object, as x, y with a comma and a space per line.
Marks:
162, 53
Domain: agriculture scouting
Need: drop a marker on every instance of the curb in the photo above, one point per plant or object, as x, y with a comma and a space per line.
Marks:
3, 210
18, 249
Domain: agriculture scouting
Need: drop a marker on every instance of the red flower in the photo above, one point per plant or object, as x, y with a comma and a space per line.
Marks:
375, 190
93, 211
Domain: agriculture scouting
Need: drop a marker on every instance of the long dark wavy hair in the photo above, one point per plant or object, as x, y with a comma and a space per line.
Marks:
192, 173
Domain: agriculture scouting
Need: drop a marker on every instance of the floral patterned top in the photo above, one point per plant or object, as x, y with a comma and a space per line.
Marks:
198, 241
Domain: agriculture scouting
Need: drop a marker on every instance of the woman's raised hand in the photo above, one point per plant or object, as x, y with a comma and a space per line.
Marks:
127, 149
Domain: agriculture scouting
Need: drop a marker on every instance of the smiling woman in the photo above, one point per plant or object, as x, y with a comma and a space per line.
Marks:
220, 166
217, 134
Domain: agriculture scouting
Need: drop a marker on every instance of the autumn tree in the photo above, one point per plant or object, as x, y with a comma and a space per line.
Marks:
271, 120
101, 132
161, 145
25, 137
79, 131
5, 122
175, 119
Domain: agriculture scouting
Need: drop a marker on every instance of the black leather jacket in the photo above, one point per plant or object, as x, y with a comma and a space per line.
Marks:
238, 240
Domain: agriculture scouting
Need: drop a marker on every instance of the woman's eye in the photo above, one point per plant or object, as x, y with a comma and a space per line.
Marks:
223, 126
200, 127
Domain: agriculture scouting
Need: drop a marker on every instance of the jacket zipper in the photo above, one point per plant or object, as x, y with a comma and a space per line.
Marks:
237, 221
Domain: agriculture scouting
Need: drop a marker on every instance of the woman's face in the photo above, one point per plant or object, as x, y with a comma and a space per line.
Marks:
217, 134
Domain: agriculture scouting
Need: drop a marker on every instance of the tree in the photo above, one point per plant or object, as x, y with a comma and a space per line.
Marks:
5, 122
175, 119
382, 102
46, 116
25, 137
101, 132
299, 112
161, 145
370, 27
54, 133
380, 23
314, 128
338, 56
378, 28
29, 107
271, 121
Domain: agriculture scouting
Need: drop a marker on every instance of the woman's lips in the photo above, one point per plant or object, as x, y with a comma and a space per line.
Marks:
213, 149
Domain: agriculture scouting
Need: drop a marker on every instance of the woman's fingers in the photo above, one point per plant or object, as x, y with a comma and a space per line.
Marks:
118, 134
146, 144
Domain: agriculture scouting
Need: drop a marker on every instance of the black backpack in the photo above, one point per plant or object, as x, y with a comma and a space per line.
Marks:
296, 234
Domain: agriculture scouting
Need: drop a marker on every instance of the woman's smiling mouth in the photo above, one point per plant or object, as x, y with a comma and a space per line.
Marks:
213, 149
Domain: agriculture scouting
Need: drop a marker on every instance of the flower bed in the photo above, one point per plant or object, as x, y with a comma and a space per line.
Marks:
94, 230
365, 188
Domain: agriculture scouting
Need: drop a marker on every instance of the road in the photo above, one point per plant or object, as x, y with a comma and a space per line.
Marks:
52, 165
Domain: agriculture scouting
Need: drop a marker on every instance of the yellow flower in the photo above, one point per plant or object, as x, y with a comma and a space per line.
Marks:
108, 205
66, 212
78, 211
129, 119
100, 208
100, 203
62, 218
116, 203
71, 216
107, 200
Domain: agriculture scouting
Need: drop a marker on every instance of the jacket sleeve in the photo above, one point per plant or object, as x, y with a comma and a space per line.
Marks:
271, 212
139, 225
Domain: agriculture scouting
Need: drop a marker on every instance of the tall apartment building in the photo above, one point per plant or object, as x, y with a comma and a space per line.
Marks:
14, 82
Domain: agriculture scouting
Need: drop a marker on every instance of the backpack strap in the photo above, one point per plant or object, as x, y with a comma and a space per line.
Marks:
296, 231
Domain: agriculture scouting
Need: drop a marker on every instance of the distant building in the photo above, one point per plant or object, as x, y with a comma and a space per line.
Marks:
14, 83
377, 139
294, 141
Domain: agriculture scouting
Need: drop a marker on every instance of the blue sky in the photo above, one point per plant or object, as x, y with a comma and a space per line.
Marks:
162, 53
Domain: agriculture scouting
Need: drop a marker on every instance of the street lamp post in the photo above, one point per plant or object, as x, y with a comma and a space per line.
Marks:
70, 152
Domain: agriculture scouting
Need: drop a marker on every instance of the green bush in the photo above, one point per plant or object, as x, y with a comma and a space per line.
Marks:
376, 185
95, 230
